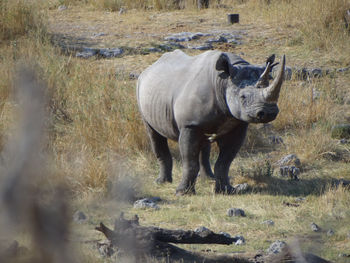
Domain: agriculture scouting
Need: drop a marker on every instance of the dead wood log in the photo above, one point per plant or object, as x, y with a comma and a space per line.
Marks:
141, 242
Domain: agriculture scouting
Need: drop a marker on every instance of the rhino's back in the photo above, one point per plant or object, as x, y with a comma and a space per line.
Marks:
170, 88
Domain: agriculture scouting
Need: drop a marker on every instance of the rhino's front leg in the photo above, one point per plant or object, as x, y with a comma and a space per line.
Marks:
229, 146
190, 145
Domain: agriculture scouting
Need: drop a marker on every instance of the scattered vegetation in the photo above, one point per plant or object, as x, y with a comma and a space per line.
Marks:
93, 124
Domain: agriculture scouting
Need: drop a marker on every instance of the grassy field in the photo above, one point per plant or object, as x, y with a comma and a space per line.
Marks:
96, 147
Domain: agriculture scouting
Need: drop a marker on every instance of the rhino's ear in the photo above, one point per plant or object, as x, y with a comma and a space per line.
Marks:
223, 63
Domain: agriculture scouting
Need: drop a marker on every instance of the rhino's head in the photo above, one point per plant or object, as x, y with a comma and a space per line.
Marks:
248, 94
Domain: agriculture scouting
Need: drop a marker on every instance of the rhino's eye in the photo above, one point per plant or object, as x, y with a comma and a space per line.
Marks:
243, 97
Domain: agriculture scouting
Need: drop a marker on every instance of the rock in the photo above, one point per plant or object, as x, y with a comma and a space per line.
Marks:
225, 234
289, 171
341, 131
153, 50
343, 141
343, 182
241, 188
122, 11
202, 47
105, 249
62, 8
110, 53
290, 159
273, 139
87, 53
268, 222
202, 229
288, 72
315, 73
79, 217
348, 235
220, 39
134, 75
330, 232
145, 203
300, 199
240, 240
341, 70
185, 36
276, 247
101, 34
235, 212
315, 227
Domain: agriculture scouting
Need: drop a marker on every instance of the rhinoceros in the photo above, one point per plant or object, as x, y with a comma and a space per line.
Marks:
198, 100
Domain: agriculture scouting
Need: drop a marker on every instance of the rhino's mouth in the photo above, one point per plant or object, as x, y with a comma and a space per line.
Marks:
263, 114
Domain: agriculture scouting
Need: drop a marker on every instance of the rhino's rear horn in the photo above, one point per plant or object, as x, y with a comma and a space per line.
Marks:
271, 93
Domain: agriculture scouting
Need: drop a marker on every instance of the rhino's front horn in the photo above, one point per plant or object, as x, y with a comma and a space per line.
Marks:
272, 92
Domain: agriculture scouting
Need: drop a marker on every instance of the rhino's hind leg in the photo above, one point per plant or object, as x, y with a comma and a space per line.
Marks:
205, 169
161, 150
189, 143
229, 145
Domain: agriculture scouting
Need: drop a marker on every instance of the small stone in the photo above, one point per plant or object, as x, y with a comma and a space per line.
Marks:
225, 234
122, 11
315, 72
101, 34
241, 188
343, 141
105, 249
235, 212
290, 159
275, 139
79, 217
315, 227
276, 247
87, 53
341, 131
202, 47
145, 203
240, 240
134, 75
202, 229
110, 52
62, 8
268, 222
330, 232
341, 70
300, 199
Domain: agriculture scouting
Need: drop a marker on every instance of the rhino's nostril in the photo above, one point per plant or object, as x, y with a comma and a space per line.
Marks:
260, 114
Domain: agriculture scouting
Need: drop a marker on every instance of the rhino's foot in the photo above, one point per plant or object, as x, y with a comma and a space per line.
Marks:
185, 191
225, 189
163, 180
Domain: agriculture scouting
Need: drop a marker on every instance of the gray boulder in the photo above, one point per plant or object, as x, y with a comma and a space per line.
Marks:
276, 247
235, 212
146, 203
315, 227
268, 222
110, 52
290, 159
240, 240
79, 217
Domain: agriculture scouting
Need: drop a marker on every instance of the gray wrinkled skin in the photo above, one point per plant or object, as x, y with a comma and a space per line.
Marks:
201, 99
